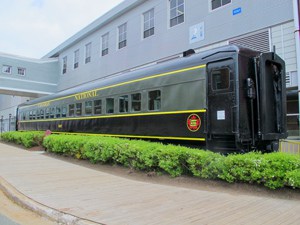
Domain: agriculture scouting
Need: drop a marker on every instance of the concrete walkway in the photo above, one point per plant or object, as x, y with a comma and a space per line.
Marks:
77, 195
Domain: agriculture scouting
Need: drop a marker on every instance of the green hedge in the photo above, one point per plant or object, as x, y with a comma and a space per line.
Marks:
27, 139
274, 170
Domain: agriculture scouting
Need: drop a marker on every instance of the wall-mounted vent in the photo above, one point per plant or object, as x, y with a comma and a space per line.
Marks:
257, 41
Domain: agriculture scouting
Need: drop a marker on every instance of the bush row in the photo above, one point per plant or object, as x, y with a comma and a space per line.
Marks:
27, 139
274, 170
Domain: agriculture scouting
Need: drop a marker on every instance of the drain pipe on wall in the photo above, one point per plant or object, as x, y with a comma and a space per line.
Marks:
296, 6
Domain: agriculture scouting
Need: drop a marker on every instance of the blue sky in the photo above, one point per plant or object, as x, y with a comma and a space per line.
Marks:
32, 28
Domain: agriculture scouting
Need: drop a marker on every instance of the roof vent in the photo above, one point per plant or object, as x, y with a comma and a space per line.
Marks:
188, 52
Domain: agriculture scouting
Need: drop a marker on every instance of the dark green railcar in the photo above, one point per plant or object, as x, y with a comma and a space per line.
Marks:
229, 98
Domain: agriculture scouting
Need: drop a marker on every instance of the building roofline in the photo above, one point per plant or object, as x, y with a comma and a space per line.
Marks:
114, 13
27, 59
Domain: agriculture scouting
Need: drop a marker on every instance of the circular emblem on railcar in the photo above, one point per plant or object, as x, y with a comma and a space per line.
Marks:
193, 122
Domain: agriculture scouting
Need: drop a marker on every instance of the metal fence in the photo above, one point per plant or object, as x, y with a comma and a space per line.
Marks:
8, 124
290, 146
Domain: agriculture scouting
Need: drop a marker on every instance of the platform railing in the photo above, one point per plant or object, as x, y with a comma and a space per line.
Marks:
290, 146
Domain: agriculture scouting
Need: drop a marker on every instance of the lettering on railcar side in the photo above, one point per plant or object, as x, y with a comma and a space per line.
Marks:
85, 95
44, 104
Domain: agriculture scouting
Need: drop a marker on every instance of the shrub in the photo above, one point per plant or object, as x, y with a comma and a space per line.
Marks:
203, 164
27, 139
274, 170
293, 178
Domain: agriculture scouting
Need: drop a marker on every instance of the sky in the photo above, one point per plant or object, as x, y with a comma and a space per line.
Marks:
32, 28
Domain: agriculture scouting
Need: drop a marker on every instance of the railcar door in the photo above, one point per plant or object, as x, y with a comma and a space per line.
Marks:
221, 102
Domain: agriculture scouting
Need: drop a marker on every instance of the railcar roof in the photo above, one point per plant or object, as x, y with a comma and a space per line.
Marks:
176, 64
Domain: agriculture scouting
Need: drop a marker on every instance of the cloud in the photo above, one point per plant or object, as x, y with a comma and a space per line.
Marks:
33, 28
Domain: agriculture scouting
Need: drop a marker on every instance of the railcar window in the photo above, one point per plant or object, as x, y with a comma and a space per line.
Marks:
88, 107
47, 113
97, 107
154, 98
64, 111
58, 112
123, 103
71, 110
78, 109
136, 102
42, 113
30, 115
220, 79
52, 112
37, 114
33, 114
110, 105
23, 116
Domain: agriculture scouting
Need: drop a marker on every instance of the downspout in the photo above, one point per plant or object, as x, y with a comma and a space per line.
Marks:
296, 6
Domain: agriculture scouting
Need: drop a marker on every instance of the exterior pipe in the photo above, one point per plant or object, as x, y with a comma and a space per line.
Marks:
296, 6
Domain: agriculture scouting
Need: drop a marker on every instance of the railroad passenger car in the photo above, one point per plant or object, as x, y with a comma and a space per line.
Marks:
228, 98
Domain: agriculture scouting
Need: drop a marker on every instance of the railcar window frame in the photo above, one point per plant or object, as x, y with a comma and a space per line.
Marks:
33, 114
136, 104
37, 114
58, 111
42, 114
64, 111
88, 108
97, 107
110, 105
71, 110
23, 116
47, 116
153, 103
52, 112
219, 80
124, 104
78, 109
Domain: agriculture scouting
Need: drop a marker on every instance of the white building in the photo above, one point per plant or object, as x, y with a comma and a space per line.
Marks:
138, 33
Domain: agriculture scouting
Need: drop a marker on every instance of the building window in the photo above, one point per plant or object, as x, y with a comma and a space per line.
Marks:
136, 102
123, 103
6, 69
176, 12
154, 98
76, 59
122, 35
149, 23
110, 105
21, 71
88, 52
97, 107
105, 39
65, 63
218, 3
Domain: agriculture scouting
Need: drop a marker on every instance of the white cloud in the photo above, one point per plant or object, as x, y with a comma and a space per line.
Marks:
32, 28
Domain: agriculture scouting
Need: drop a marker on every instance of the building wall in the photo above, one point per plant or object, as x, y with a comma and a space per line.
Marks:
38, 77
256, 24
220, 25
